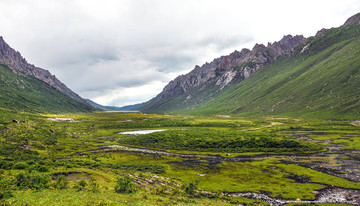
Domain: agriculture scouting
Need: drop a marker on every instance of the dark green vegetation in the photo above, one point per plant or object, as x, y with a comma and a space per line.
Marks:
25, 93
319, 79
219, 140
54, 162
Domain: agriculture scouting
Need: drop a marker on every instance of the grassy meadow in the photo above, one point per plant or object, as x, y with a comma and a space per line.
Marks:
81, 159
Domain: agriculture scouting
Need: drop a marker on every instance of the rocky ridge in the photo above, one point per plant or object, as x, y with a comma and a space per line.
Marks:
19, 65
225, 70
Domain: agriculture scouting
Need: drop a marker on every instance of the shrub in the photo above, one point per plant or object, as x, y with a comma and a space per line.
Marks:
81, 185
190, 188
94, 186
6, 183
125, 185
39, 168
5, 194
32, 180
61, 182
43, 168
20, 166
68, 165
5, 164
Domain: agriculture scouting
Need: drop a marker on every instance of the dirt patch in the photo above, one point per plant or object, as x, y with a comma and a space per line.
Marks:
72, 175
299, 178
356, 123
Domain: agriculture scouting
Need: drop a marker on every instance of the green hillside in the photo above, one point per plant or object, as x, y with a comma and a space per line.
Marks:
25, 93
320, 79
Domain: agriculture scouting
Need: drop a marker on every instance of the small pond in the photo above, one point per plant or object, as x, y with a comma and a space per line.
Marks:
142, 131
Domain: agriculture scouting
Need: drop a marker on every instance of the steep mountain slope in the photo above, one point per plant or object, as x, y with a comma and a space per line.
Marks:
205, 82
26, 93
26, 87
320, 77
19, 65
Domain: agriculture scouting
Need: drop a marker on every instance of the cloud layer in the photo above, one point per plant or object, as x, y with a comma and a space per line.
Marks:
120, 52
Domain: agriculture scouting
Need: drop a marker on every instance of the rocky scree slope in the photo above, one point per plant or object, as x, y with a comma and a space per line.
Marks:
207, 81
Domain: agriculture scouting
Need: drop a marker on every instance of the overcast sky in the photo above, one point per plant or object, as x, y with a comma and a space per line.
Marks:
121, 52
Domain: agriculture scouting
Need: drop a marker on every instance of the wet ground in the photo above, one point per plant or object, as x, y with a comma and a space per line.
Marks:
328, 195
335, 161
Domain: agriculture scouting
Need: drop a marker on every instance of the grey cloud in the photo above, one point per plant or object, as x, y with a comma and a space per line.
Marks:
171, 63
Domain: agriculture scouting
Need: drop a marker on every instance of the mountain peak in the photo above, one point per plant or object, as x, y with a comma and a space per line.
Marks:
353, 19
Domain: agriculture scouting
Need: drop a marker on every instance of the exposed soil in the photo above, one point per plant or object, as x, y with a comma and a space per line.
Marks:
71, 175
356, 123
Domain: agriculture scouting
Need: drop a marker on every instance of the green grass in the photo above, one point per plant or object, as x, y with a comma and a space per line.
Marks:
25, 93
160, 179
321, 82
312, 85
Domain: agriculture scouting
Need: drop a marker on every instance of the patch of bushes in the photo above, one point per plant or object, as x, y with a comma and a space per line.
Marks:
219, 141
6, 186
18, 153
5, 194
32, 180
61, 182
20, 166
39, 168
4, 164
81, 185
94, 186
125, 185
191, 188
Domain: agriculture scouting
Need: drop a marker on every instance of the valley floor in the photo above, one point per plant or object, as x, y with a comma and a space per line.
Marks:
86, 159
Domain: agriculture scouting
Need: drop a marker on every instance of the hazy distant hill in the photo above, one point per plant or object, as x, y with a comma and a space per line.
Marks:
110, 108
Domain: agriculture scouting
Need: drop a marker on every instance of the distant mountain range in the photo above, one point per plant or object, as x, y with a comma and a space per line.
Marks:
113, 108
317, 76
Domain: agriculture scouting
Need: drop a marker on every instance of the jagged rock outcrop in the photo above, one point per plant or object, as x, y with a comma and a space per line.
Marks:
19, 65
353, 19
223, 71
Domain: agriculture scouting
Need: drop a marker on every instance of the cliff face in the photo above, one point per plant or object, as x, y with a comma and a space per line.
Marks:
222, 72
19, 65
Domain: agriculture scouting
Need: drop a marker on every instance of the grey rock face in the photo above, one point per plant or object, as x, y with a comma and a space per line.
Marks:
353, 19
225, 70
